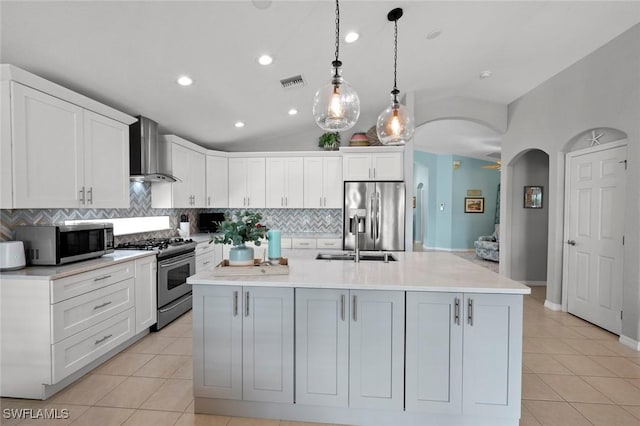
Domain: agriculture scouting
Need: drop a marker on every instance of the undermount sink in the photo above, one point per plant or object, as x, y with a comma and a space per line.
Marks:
351, 256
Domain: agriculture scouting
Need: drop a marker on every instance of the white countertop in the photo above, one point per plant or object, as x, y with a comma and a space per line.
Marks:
55, 272
415, 271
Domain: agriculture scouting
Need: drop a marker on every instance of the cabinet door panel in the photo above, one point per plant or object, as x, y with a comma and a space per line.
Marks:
492, 354
146, 293
217, 354
106, 161
333, 186
376, 365
267, 350
433, 353
237, 182
255, 182
294, 182
217, 181
180, 169
322, 347
313, 179
197, 178
275, 177
47, 142
357, 167
388, 166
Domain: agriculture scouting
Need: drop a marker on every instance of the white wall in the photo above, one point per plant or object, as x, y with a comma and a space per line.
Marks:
600, 91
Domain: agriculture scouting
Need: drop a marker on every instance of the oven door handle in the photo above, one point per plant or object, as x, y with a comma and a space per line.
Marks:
177, 262
177, 304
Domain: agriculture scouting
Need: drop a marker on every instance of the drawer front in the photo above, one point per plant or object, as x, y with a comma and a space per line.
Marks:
203, 248
76, 285
303, 243
330, 243
75, 352
78, 313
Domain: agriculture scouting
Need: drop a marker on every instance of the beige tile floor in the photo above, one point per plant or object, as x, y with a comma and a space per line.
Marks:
573, 374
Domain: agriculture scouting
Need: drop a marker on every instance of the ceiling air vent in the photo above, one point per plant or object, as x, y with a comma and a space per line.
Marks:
291, 82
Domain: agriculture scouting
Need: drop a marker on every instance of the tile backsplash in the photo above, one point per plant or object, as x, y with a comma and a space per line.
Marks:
288, 220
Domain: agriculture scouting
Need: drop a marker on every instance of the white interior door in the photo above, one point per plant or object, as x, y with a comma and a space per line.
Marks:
593, 234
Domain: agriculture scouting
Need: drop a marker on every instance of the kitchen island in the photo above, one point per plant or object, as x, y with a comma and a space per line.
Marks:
428, 339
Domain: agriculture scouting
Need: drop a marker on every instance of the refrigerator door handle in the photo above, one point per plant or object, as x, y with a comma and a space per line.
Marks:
372, 217
378, 214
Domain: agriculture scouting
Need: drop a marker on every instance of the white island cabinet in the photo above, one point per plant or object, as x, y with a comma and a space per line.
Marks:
246, 347
455, 357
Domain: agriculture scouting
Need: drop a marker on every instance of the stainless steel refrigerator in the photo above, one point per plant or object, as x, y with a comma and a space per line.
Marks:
380, 208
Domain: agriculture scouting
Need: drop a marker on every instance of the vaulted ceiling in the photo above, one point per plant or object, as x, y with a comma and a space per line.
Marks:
128, 55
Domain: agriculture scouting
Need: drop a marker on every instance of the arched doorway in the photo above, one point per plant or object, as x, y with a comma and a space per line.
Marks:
529, 174
454, 159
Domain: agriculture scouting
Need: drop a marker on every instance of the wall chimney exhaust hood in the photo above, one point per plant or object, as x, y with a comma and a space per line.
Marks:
143, 153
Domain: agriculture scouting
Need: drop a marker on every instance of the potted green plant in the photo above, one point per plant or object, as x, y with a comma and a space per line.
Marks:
329, 141
237, 230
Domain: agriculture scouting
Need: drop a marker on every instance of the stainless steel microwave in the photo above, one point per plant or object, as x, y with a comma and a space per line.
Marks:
60, 244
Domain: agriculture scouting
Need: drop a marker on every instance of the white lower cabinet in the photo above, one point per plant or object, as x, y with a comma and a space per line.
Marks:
463, 353
246, 347
350, 348
53, 329
146, 292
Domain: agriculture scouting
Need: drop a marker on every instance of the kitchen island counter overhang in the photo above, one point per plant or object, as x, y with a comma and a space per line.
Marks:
429, 339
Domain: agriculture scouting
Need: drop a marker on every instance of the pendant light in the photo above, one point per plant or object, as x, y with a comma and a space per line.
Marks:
395, 124
336, 106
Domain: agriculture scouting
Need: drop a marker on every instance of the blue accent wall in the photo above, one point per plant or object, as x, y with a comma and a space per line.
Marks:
452, 228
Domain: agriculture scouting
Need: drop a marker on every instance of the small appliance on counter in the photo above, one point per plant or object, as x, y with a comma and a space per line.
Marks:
185, 229
11, 255
61, 244
208, 222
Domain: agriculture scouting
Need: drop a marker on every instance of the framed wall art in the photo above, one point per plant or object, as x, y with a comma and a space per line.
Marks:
474, 205
532, 197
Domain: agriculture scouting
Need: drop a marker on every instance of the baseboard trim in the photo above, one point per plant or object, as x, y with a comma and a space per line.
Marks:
552, 306
448, 249
535, 283
629, 342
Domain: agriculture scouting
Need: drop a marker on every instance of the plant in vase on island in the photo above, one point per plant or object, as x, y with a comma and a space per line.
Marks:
237, 230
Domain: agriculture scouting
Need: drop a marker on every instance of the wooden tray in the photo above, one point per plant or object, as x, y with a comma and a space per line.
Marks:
223, 269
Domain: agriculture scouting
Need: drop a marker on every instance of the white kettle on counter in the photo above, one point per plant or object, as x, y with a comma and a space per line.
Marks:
11, 255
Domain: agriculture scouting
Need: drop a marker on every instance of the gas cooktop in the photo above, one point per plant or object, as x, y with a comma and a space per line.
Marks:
164, 246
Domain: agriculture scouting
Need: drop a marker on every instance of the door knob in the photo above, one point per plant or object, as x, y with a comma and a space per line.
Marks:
571, 242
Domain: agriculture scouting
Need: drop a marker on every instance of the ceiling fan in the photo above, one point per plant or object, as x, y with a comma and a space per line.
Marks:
493, 166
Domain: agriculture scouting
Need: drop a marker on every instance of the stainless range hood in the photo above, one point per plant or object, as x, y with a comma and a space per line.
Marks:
143, 153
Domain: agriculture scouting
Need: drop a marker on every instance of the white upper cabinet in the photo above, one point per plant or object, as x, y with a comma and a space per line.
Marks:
65, 156
178, 159
385, 165
323, 184
106, 153
217, 181
58, 148
284, 176
247, 182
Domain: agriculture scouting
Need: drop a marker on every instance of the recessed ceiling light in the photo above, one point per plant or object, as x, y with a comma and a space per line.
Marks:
265, 60
184, 80
351, 37
433, 34
239, 124
293, 111
486, 74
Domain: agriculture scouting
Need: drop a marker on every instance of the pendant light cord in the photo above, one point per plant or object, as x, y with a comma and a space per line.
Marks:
395, 90
337, 30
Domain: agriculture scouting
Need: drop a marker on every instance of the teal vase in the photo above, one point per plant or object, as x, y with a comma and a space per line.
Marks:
241, 255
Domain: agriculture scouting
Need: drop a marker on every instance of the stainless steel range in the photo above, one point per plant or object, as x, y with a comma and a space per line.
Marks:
176, 262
